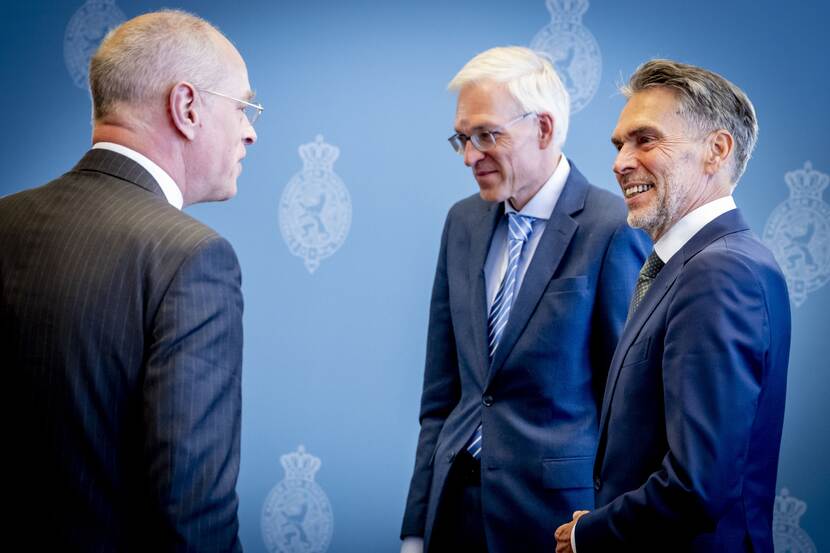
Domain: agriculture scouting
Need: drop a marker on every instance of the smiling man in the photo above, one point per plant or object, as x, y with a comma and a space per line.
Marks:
531, 291
121, 316
691, 420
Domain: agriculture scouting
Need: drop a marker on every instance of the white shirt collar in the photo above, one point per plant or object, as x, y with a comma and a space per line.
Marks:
166, 183
542, 203
689, 225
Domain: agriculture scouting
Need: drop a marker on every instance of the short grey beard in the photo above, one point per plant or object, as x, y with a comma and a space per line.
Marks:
656, 220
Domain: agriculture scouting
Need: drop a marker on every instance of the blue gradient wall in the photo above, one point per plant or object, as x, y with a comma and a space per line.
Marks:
333, 357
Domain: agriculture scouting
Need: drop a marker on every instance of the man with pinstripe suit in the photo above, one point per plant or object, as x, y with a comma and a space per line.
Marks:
121, 317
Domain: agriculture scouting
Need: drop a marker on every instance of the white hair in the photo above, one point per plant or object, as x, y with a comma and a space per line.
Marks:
530, 79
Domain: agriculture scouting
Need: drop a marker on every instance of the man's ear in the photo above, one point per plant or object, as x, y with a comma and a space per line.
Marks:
182, 104
546, 128
719, 147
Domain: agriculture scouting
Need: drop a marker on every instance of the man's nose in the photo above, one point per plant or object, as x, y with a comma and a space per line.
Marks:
250, 136
625, 162
471, 154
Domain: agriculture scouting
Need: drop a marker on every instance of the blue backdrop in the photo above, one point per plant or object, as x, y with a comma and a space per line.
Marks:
334, 356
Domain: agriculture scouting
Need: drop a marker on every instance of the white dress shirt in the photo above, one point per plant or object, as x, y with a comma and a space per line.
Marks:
166, 183
683, 230
674, 239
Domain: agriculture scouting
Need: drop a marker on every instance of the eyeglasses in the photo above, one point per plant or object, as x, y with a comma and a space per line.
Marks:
482, 140
252, 111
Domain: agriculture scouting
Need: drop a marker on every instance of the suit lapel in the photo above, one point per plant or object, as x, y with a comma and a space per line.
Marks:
661, 285
727, 223
119, 166
481, 236
549, 253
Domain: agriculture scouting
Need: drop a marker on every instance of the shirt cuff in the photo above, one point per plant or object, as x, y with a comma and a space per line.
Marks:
573, 536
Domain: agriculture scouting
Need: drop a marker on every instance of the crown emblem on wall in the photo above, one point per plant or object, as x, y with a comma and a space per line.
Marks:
318, 154
567, 8
788, 509
787, 534
806, 182
300, 465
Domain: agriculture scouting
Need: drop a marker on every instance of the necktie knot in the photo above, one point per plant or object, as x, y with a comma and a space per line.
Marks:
520, 226
652, 266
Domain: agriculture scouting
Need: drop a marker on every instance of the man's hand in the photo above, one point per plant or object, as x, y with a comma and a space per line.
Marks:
563, 534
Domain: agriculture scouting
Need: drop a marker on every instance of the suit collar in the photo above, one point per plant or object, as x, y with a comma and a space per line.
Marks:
558, 233
683, 230
168, 186
723, 225
118, 166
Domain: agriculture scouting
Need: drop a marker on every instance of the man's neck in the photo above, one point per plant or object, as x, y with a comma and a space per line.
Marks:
135, 137
518, 202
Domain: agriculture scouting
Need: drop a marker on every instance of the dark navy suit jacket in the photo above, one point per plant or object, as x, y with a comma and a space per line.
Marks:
538, 400
121, 341
692, 414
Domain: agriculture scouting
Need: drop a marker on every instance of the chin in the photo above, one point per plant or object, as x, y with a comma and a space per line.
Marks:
489, 195
224, 194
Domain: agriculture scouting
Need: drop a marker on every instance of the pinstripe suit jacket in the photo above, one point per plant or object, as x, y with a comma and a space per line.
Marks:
121, 330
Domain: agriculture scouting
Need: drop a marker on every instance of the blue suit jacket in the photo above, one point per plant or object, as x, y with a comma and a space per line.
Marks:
538, 400
692, 414
121, 339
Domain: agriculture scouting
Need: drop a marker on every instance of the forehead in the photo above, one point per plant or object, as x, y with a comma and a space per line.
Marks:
657, 107
234, 68
484, 104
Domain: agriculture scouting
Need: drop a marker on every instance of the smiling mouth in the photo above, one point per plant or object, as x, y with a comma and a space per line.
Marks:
635, 189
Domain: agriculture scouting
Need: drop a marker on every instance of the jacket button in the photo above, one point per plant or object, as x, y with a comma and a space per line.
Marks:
487, 400
597, 483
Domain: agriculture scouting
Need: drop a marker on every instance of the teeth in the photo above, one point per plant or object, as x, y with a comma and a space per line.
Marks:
637, 189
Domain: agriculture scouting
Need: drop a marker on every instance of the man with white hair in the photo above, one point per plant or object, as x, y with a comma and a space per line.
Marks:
531, 292
121, 317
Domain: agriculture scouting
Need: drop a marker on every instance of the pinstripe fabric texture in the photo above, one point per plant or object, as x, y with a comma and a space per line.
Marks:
121, 329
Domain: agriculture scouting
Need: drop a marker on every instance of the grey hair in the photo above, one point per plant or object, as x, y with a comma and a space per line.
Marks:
530, 79
708, 101
142, 58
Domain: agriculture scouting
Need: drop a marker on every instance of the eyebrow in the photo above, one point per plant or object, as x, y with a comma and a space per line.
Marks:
250, 95
477, 128
616, 141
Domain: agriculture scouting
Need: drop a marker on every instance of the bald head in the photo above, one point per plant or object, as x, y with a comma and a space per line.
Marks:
139, 61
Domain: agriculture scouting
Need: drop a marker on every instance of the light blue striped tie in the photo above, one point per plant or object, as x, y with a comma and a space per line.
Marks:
519, 229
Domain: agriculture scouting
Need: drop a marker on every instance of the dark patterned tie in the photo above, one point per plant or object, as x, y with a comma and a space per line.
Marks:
647, 275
